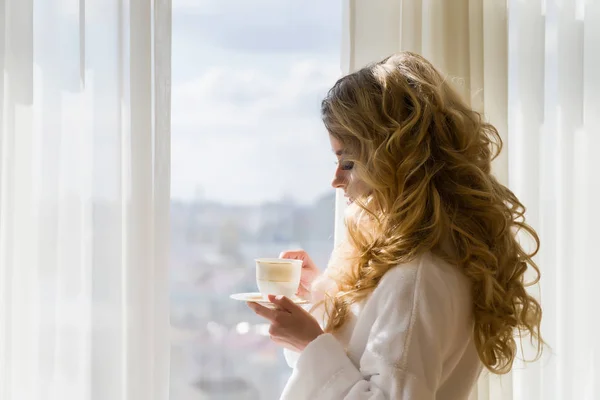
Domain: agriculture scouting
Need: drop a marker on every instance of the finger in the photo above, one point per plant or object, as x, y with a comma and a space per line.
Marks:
281, 342
278, 339
262, 311
279, 309
302, 291
305, 295
283, 302
293, 254
303, 288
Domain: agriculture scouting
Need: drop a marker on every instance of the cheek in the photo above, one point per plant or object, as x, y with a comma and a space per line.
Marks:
358, 187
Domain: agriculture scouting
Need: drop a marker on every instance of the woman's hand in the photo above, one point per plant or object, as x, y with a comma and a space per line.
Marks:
309, 270
291, 326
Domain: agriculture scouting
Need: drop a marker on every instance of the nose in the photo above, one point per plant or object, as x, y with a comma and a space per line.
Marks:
340, 179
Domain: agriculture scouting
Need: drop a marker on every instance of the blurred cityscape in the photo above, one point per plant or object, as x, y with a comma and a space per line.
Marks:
220, 349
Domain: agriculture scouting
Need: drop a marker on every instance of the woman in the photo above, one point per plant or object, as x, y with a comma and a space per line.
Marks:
429, 286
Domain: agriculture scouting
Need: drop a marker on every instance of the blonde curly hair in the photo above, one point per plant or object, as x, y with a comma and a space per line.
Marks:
426, 158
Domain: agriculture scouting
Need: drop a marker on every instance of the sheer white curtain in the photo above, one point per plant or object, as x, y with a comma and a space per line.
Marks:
532, 68
554, 137
84, 199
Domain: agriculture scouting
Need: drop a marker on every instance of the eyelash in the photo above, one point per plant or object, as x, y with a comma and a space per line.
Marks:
345, 165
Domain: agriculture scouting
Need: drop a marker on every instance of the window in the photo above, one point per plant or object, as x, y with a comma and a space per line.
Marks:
251, 166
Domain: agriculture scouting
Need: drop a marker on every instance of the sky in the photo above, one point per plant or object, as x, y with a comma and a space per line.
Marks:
248, 78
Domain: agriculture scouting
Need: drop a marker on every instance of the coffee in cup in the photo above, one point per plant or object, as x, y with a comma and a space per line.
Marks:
278, 276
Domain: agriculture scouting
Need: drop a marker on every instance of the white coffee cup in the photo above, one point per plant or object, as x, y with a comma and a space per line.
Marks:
278, 276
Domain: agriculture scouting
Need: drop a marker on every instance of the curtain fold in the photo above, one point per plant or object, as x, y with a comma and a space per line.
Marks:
531, 68
84, 195
553, 135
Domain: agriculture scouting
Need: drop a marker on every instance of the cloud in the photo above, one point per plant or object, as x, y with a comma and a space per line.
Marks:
250, 171
246, 136
248, 78
226, 100
262, 26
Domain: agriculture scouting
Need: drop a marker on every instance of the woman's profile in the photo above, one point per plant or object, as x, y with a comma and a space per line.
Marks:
428, 288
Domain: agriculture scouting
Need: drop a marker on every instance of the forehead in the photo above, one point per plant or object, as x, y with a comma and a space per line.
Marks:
336, 145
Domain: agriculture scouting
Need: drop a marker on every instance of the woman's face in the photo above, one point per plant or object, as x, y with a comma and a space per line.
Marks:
343, 177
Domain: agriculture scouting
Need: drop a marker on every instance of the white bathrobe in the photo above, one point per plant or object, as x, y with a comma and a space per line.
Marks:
412, 339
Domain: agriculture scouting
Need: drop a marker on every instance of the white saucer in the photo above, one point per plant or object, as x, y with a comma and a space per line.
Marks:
258, 298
